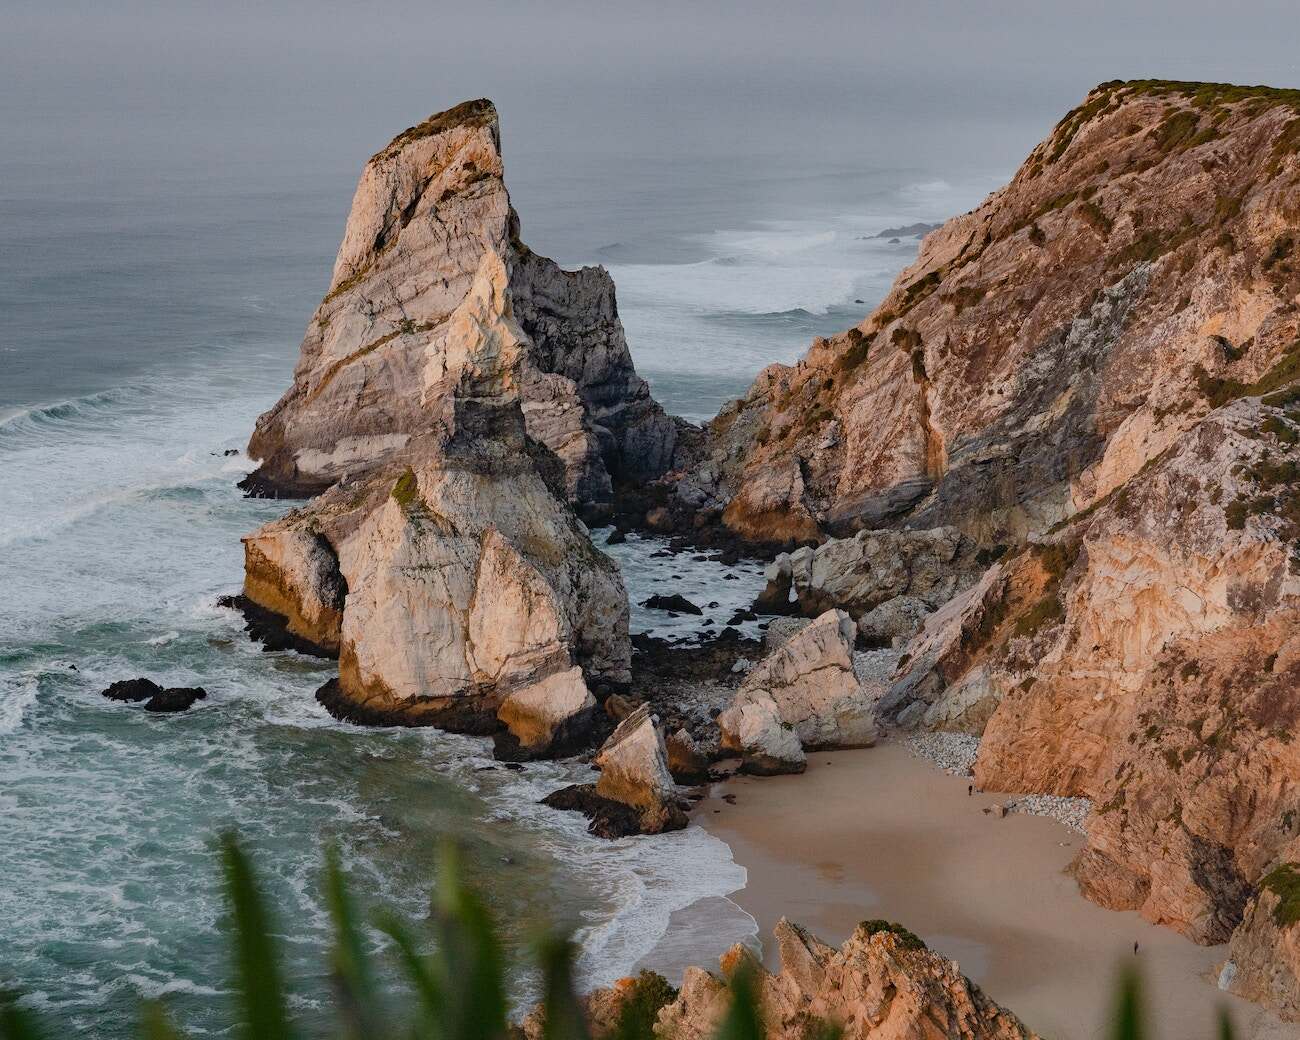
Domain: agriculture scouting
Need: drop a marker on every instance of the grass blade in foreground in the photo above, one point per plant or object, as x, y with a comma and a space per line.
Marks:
257, 971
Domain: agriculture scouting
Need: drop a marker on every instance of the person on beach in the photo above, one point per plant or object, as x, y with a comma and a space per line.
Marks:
970, 790
1135, 948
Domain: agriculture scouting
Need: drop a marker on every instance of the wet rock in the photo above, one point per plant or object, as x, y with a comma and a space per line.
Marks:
674, 602
635, 793
550, 718
272, 629
156, 698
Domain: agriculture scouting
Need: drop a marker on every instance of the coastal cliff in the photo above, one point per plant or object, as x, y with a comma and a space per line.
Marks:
429, 207
456, 400
1044, 345
1057, 469
1091, 376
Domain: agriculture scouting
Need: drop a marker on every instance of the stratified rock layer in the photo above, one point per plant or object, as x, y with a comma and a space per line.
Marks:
427, 210
468, 580
882, 984
1140, 266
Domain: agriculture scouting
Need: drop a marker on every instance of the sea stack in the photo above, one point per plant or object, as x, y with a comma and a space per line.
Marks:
429, 207
457, 401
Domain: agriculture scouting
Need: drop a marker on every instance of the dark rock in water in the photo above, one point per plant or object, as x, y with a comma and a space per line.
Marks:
514, 767
730, 577
271, 629
706, 623
616, 537
176, 698
713, 605
230, 452
609, 819
156, 698
574, 735
675, 602
916, 230
132, 690
741, 616
893, 241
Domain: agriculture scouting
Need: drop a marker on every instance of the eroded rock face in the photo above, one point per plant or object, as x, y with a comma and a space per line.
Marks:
1147, 657
1264, 958
427, 210
864, 574
552, 717
1044, 346
633, 767
882, 984
802, 695
468, 580
635, 793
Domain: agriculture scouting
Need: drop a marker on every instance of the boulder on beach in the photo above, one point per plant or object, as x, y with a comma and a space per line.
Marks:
812, 685
753, 728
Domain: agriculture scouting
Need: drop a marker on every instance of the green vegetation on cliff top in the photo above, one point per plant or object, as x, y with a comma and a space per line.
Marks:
1284, 882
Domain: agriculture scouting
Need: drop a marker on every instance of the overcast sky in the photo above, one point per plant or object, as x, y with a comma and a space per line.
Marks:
292, 82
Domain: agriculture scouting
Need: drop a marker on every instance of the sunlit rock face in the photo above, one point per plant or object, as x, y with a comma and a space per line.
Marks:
428, 209
1043, 347
450, 575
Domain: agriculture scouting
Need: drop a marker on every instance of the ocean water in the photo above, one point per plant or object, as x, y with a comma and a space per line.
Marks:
144, 325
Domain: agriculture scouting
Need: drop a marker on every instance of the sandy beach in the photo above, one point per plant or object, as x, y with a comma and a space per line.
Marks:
882, 833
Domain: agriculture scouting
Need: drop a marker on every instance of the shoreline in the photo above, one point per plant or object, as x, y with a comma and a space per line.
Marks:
882, 832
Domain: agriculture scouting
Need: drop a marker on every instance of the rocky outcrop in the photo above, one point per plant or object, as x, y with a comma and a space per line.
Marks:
547, 719
804, 695
429, 208
635, 793
155, 697
1146, 657
1140, 265
627, 1008
882, 984
468, 580
1264, 958
869, 574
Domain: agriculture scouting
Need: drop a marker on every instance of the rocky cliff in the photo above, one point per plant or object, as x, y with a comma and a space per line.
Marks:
457, 397
455, 584
881, 984
1092, 376
429, 207
1140, 266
